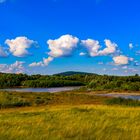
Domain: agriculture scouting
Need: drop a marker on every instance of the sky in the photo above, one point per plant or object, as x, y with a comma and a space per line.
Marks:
52, 36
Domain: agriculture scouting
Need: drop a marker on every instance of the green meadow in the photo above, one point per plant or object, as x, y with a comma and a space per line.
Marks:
66, 116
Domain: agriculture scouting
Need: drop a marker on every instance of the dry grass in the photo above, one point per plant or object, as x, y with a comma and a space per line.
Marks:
73, 122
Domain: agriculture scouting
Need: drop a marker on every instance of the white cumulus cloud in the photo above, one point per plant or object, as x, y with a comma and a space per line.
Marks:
121, 60
94, 48
110, 48
66, 44
62, 46
45, 62
20, 45
16, 67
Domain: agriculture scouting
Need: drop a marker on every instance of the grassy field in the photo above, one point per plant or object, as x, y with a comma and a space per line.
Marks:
87, 122
66, 116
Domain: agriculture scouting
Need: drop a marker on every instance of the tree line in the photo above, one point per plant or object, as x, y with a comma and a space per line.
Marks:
90, 81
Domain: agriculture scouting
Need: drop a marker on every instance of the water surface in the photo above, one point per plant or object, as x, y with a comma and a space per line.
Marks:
51, 90
124, 96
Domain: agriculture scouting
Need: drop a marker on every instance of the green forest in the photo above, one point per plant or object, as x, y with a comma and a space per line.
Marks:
87, 80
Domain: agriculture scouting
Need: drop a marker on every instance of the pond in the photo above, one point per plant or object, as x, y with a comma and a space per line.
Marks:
51, 90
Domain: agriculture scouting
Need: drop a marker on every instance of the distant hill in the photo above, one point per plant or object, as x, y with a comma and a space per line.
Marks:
69, 73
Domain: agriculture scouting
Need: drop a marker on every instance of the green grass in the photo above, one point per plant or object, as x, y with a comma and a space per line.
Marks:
86, 122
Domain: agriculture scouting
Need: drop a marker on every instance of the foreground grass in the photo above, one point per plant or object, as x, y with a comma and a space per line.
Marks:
67, 116
79, 122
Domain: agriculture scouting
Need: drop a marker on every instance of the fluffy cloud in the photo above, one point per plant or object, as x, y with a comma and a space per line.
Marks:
110, 48
93, 47
3, 53
65, 45
20, 45
16, 67
62, 46
45, 62
121, 60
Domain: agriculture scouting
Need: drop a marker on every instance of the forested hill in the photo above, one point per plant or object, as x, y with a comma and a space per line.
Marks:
90, 81
69, 73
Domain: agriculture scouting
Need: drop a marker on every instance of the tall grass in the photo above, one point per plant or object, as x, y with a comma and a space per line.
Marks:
85, 122
67, 116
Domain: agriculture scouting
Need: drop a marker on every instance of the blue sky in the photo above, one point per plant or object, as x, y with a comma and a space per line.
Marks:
50, 36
